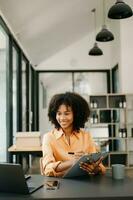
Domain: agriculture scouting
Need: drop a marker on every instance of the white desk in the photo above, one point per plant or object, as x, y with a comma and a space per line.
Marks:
25, 152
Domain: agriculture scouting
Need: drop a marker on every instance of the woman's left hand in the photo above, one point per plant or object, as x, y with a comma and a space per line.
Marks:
92, 168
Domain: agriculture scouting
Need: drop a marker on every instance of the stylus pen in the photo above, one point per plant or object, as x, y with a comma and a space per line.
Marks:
72, 153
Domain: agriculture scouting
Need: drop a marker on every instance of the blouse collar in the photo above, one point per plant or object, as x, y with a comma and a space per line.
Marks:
59, 133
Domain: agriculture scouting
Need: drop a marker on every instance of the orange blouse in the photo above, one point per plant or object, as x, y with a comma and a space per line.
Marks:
55, 149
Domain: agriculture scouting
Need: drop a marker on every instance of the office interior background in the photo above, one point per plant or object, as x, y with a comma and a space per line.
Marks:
44, 47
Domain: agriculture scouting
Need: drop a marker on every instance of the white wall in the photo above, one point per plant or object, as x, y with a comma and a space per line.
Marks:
76, 56
115, 45
126, 63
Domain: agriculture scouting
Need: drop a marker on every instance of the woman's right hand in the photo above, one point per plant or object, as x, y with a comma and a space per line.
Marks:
93, 168
69, 163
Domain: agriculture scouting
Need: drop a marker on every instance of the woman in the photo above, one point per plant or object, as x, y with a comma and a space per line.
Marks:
67, 142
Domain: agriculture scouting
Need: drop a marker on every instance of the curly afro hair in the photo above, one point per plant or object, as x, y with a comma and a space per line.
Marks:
78, 104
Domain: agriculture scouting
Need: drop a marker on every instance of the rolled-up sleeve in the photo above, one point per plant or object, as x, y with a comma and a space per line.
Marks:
49, 164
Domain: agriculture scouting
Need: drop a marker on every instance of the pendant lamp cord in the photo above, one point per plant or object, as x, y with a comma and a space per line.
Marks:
104, 23
94, 10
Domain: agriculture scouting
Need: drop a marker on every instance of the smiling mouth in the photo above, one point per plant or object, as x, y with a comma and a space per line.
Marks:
63, 123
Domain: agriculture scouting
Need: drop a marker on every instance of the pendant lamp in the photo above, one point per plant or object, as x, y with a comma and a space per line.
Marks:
95, 51
120, 10
104, 35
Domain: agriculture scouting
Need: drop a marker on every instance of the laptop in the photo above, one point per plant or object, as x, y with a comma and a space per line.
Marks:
12, 180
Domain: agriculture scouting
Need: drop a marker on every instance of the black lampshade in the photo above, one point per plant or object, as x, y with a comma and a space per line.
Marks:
104, 35
95, 51
120, 10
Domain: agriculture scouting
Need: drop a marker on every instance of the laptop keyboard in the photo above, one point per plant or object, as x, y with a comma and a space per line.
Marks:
27, 176
31, 188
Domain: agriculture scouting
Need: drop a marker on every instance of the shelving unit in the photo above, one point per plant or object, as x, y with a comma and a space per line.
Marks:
111, 123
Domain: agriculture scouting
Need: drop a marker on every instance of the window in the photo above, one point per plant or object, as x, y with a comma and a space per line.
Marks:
4, 40
14, 90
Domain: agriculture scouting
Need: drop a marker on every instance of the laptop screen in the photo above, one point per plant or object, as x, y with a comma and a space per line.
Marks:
13, 179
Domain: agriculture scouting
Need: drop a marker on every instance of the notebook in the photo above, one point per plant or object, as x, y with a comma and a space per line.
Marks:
12, 180
76, 171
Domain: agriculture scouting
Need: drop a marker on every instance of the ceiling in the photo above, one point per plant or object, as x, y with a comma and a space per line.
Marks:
44, 27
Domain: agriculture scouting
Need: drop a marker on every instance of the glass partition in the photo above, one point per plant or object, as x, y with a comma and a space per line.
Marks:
14, 91
90, 83
24, 95
50, 84
4, 40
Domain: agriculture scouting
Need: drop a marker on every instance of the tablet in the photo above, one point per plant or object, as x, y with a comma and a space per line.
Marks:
75, 170
94, 157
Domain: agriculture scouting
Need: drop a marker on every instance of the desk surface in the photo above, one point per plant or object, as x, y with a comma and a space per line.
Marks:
96, 188
13, 149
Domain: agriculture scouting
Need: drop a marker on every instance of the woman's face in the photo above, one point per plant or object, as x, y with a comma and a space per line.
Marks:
64, 116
